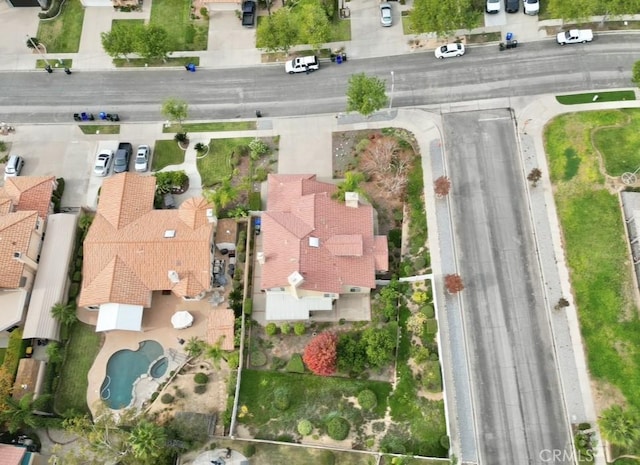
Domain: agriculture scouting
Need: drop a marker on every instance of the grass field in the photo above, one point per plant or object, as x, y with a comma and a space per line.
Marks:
143, 63
596, 250
165, 153
216, 166
84, 344
175, 17
619, 145
614, 96
55, 64
213, 126
100, 128
62, 34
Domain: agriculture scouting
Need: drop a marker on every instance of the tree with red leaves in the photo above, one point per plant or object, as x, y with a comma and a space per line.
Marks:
321, 353
442, 186
453, 283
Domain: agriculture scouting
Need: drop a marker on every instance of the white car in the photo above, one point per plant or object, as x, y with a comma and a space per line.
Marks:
142, 158
450, 50
385, 14
302, 64
493, 6
531, 7
575, 36
103, 163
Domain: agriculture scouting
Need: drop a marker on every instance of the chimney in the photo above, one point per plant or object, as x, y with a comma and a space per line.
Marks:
351, 199
24, 259
173, 276
295, 280
211, 217
261, 258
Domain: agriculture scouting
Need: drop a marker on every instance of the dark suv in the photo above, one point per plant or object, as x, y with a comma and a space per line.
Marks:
511, 6
121, 160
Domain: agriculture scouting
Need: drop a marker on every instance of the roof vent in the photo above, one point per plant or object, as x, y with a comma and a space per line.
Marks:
17, 255
351, 199
314, 242
170, 233
261, 258
211, 217
173, 276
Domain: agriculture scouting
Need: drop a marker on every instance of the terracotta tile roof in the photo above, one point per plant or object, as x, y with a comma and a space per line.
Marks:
220, 328
31, 193
129, 251
26, 378
329, 244
15, 235
6, 204
10, 455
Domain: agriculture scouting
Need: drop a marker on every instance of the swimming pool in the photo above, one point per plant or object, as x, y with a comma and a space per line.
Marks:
125, 367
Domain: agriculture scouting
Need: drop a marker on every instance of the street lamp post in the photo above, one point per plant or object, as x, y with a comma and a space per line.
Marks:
393, 84
39, 51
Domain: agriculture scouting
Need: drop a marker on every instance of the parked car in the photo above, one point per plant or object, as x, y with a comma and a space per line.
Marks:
103, 163
14, 166
385, 14
450, 50
302, 64
121, 160
248, 13
142, 158
511, 6
575, 36
492, 6
531, 7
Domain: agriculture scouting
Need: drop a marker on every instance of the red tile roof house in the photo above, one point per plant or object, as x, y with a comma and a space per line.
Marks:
317, 250
25, 203
132, 250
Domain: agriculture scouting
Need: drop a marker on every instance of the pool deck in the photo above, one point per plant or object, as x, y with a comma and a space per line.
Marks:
156, 326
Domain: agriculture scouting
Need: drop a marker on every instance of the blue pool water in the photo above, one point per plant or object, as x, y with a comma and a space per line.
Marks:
159, 368
123, 368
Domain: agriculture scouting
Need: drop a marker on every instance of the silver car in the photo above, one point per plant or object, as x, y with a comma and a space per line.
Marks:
385, 14
103, 163
142, 158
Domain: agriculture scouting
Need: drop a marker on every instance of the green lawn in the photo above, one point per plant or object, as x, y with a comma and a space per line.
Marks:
216, 166
341, 30
60, 64
3, 351
175, 17
596, 250
127, 23
84, 344
62, 34
143, 63
100, 128
614, 96
165, 153
213, 126
619, 145
315, 398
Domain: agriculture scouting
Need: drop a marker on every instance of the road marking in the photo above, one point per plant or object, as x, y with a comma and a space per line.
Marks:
494, 119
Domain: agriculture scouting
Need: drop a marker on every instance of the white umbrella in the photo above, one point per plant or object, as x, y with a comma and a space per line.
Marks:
182, 319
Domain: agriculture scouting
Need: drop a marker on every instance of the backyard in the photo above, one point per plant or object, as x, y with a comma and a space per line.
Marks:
594, 239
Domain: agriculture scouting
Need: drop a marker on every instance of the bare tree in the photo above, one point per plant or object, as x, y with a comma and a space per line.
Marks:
386, 164
453, 283
534, 176
442, 186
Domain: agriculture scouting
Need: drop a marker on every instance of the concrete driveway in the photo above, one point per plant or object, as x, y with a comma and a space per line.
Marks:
368, 36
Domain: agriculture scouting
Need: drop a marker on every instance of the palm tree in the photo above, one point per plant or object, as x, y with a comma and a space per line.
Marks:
54, 352
147, 441
64, 313
20, 413
195, 346
215, 353
351, 183
619, 427
222, 196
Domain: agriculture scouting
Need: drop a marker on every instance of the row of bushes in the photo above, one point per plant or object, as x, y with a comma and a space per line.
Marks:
299, 329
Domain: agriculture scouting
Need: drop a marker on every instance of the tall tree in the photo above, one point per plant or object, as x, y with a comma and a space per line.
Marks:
222, 195
153, 43
573, 10
148, 442
366, 94
315, 28
442, 16
320, 354
195, 346
215, 353
620, 427
121, 40
20, 413
278, 32
175, 110
65, 313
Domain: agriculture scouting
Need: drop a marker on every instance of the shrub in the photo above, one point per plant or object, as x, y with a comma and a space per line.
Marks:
278, 363
15, 351
584, 426
321, 353
154, 396
200, 388
367, 399
258, 358
428, 311
201, 378
416, 322
60, 189
261, 174
299, 328
453, 283
305, 428
285, 328
255, 202
431, 326
431, 377
233, 360
248, 307
281, 399
338, 428
419, 297
166, 398
74, 289
271, 329
258, 148
77, 277
249, 450
296, 364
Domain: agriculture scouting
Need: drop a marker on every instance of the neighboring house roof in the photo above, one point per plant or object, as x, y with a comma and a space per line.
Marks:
15, 236
10, 455
328, 243
26, 378
131, 248
220, 328
29, 193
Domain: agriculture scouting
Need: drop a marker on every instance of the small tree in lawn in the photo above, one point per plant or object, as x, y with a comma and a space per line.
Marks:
321, 353
453, 283
442, 186
175, 110
534, 176
366, 94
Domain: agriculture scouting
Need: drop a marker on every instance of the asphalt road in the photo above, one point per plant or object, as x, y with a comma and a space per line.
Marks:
420, 79
515, 388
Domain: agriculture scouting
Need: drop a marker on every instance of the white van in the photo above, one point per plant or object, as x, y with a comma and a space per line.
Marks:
14, 166
302, 64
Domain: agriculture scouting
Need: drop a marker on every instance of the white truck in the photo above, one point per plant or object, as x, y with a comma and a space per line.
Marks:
302, 64
575, 36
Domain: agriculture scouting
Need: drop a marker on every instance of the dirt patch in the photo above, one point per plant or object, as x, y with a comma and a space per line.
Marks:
605, 395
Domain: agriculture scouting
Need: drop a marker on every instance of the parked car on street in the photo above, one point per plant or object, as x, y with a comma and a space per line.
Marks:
575, 36
450, 50
14, 166
511, 6
103, 163
302, 64
492, 6
385, 14
531, 7
142, 158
